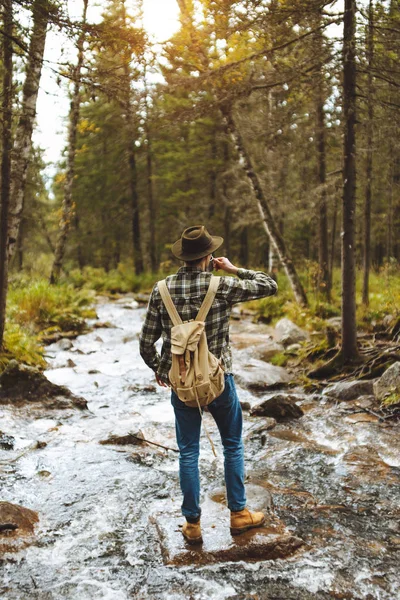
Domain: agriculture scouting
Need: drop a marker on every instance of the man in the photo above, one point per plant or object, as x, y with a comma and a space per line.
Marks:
188, 288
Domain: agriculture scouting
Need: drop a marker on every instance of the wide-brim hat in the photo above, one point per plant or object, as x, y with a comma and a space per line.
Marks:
196, 242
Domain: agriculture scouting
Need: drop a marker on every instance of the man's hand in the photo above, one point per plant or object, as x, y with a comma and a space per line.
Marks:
160, 382
224, 264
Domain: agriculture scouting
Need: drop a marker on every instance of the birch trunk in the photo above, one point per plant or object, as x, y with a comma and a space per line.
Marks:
23, 138
5, 159
349, 327
66, 209
264, 209
368, 190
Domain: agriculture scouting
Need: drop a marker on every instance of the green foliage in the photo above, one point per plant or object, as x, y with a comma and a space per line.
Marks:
120, 280
22, 345
384, 300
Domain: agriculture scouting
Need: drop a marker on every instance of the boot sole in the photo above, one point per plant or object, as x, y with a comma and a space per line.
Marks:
193, 541
239, 530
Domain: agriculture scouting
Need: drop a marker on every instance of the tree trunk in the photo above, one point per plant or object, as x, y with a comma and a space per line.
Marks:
150, 191
67, 205
23, 137
213, 177
264, 209
349, 325
323, 250
273, 257
5, 190
368, 190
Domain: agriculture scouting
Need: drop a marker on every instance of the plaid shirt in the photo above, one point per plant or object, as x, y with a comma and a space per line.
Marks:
188, 288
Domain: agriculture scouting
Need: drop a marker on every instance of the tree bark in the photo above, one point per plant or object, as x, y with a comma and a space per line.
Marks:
323, 250
368, 189
264, 209
67, 205
5, 189
349, 326
131, 152
23, 138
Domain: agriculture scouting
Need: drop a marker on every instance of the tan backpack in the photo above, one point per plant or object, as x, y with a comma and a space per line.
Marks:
196, 375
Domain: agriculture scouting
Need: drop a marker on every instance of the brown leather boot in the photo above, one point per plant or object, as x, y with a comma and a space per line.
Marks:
192, 533
244, 519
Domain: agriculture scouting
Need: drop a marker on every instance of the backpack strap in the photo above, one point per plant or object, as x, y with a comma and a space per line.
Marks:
209, 299
169, 305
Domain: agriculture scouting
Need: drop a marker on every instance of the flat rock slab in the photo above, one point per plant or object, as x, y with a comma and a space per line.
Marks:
349, 390
273, 541
258, 376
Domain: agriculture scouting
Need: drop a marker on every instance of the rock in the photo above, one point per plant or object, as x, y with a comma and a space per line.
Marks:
142, 298
70, 363
104, 325
93, 371
257, 375
288, 333
21, 384
272, 541
268, 424
65, 344
245, 406
335, 323
6, 441
98, 339
293, 348
16, 527
280, 407
129, 303
130, 439
388, 383
55, 336
349, 390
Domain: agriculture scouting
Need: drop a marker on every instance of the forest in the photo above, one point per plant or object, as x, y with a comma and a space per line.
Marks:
276, 124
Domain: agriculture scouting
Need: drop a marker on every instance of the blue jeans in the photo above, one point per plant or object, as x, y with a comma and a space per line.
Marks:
227, 414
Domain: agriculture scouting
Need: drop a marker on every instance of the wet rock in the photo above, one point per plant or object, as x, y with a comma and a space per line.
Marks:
93, 371
268, 424
130, 338
144, 389
6, 441
129, 303
349, 390
257, 375
388, 383
365, 463
98, 339
16, 527
270, 542
281, 407
245, 405
70, 363
288, 333
130, 439
21, 384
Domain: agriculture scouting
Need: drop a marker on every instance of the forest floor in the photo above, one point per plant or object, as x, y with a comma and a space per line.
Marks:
326, 473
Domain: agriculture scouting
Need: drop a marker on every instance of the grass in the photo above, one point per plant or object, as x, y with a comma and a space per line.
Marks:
384, 300
36, 308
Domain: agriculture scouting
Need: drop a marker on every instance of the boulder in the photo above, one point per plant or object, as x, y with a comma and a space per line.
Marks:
257, 375
388, 383
65, 344
16, 527
280, 407
288, 333
349, 390
21, 384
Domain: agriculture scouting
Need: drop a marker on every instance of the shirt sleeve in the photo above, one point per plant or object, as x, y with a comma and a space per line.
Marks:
249, 285
150, 333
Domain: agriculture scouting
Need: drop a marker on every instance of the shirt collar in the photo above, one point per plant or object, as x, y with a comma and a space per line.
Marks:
190, 269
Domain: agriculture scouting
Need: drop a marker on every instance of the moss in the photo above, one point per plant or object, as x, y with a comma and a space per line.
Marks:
279, 360
394, 398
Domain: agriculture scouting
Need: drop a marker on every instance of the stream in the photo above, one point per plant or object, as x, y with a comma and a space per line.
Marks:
110, 514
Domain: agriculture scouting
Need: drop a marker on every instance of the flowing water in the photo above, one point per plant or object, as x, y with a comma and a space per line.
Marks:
109, 514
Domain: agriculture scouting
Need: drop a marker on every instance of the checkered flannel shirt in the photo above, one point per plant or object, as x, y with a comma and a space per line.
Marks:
188, 288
